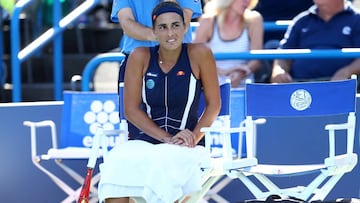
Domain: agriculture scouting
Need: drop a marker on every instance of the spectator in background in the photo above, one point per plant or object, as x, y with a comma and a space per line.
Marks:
231, 26
134, 17
329, 24
276, 10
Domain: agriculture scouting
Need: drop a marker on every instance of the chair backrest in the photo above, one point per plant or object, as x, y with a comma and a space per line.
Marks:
301, 99
83, 112
225, 100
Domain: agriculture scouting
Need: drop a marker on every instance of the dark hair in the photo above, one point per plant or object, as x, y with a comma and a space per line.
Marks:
165, 7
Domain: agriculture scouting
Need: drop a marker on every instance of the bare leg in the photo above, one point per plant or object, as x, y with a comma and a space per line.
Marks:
118, 200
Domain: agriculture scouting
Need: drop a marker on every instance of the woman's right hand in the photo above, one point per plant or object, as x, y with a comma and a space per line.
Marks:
184, 138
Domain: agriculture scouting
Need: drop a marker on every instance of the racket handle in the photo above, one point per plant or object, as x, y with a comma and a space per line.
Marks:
85, 191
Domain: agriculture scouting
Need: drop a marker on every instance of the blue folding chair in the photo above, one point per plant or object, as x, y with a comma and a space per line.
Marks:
225, 154
308, 100
83, 113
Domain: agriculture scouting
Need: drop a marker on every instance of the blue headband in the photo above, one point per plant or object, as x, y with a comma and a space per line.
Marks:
167, 9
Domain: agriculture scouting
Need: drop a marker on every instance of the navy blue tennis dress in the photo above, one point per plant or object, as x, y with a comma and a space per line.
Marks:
170, 99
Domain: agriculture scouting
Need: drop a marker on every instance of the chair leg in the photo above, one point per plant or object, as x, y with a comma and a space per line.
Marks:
213, 192
326, 188
254, 189
61, 184
196, 197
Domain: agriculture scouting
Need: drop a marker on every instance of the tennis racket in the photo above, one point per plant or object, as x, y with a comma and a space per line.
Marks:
85, 190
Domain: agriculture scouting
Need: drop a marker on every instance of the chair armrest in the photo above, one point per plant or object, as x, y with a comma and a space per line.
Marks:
33, 126
340, 126
44, 123
222, 130
226, 133
350, 127
122, 132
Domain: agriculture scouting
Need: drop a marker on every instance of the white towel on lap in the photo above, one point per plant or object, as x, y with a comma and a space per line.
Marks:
158, 173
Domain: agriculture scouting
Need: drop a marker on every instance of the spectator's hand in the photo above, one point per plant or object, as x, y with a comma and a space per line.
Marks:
185, 138
236, 76
281, 78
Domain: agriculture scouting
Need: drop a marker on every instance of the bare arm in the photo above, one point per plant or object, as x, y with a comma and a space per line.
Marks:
136, 66
187, 17
347, 71
133, 28
204, 30
203, 63
256, 34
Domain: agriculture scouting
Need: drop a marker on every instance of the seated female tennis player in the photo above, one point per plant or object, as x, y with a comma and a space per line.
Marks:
161, 98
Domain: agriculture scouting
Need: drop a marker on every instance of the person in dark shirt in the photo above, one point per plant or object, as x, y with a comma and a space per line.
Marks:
271, 11
329, 24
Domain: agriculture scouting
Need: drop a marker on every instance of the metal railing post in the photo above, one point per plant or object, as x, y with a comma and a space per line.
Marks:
58, 52
15, 49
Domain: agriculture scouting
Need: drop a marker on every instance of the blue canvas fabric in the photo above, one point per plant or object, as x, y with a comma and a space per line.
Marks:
315, 99
83, 112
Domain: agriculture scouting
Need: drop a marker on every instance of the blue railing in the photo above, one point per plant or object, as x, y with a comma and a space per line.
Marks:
90, 68
279, 25
59, 25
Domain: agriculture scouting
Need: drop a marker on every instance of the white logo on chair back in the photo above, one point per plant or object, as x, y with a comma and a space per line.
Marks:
300, 99
103, 114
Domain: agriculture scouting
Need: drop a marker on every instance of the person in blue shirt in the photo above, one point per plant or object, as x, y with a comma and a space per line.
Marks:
328, 24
